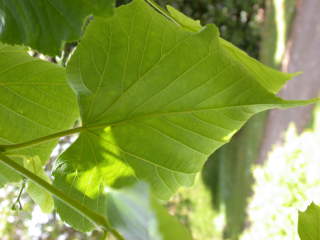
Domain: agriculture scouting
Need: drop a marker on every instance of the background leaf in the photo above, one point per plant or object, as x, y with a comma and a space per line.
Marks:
46, 24
35, 101
39, 195
152, 109
309, 223
137, 216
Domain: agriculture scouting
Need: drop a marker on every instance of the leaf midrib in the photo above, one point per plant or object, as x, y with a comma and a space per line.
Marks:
154, 115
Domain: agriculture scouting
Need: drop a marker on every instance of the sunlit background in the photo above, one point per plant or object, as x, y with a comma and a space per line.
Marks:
253, 187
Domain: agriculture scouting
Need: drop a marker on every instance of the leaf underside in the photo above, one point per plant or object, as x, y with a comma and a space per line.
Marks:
156, 99
46, 24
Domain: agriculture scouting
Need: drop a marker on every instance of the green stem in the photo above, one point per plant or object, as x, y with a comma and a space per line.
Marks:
5, 148
95, 218
17, 202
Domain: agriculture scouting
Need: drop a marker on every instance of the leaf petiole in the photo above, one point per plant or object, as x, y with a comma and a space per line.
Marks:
5, 148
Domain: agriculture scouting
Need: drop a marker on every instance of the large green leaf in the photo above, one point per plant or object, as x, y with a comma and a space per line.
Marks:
35, 101
309, 223
156, 99
46, 24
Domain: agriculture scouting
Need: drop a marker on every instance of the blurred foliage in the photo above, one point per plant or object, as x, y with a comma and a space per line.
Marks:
228, 175
288, 182
192, 206
275, 33
239, 21
227, 172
